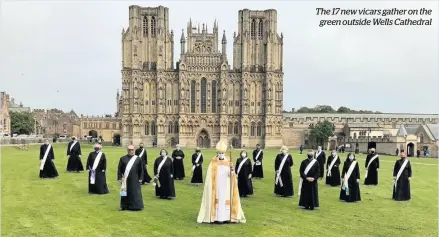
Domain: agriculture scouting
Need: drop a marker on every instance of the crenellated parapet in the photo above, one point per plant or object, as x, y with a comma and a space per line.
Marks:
342, 118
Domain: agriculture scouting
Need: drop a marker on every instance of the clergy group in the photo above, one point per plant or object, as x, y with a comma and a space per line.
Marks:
226, 183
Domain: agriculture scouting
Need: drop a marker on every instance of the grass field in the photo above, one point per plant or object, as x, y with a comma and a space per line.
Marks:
63, 207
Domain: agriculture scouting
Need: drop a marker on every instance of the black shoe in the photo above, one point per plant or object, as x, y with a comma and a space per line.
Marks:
311, 208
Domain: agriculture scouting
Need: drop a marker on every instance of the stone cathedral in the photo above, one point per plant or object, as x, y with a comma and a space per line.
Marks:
201, 98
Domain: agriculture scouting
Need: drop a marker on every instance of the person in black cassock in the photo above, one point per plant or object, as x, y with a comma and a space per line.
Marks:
178, 156
244, 172
372, 165
197, 169
350, 190
47, 166
308, 186
283, 177
321, 158
74, 164
333, 170
402, 174
163, 176
258, 156
130, 175
141, 153
97, 165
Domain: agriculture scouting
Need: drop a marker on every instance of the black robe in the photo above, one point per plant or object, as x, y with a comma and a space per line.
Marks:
402, 191
49, 169
167, 188
334, 179
197, 175
322, 160
144, 159
354, 186
74, 163
309, 193
100, 185
245, 185
258, 171
287, 179
133, 201
178, 164
372, 172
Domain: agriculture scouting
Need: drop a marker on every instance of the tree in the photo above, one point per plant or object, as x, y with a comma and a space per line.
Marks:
343, 109
22, 122
304, 110
323, 109
320, 132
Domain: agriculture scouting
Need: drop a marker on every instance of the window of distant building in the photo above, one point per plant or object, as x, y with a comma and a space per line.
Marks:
193, 96
203, 95
214, 91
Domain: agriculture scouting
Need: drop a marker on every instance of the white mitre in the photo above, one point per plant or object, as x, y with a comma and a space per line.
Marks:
221, 146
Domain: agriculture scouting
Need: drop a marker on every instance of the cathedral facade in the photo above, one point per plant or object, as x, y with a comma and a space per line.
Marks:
203, 98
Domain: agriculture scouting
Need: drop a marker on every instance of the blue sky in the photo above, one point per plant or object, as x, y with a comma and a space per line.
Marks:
68, 54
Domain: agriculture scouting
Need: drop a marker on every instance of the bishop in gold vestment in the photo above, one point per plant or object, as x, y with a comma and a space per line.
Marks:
221, 202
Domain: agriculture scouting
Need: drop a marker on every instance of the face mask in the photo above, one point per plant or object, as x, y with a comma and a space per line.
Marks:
319, 149
351, 157
221, 156
310, 156
284, 152
333, 153
163, 154
178, 148
96, 148
244, 155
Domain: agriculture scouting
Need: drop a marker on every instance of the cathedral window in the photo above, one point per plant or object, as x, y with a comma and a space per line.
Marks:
214, 91
153, 26
176, 127
261, 28
236, 128
146, 128
259, 129
253, 28
145, 26
230, 128
153, 128
203, 95
114, 126
107, 125
253, 129
193, 96
170, 126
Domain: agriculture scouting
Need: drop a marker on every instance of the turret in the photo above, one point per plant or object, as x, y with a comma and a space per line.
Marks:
182, 42
224, 43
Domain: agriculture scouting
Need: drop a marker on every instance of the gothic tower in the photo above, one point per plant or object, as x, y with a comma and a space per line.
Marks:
258, 56
147, 46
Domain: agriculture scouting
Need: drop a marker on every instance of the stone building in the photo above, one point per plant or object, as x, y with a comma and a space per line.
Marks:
55, 121
107, 127
367, 130
13, 107
203, 98
5, 120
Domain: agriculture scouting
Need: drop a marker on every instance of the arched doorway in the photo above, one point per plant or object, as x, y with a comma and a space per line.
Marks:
116, 139
93, 133
332, 144
173, 142
203, 140
235, 143
410, 149
371, 145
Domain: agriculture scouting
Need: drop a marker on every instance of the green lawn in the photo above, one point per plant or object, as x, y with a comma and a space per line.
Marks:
62, 207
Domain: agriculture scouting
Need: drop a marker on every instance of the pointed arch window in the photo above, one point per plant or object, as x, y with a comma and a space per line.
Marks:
253, 28
214, 85
421, 140
170, 126
253, 129
203, 95
146, 128
236, 128
193, 96
145, 25
259, 130
153, 128
153, 26
230, 128
176, 127
260, 28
